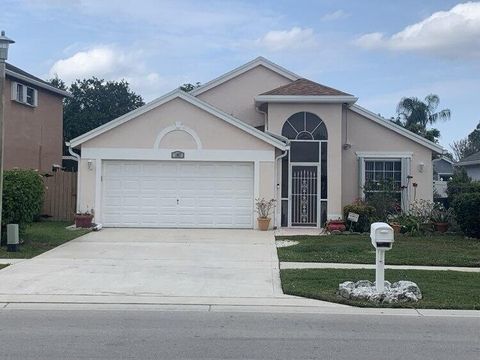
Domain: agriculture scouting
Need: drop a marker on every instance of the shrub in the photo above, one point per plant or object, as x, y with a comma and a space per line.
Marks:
383, 197
22, 197
467, 209
366, 213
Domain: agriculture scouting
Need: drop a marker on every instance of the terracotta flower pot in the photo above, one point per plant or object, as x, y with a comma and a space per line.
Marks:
441, 227
263, 223
336, 225
83, 220
396, 227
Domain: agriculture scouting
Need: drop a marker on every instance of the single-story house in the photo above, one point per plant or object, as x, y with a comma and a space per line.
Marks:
200, 159
471, 164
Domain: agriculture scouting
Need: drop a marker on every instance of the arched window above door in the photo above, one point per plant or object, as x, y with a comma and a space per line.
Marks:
304, 126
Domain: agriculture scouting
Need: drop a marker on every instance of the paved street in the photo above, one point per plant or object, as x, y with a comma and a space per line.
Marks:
139, 334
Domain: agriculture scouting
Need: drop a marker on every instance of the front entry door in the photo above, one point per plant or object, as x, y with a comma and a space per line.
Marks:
304, 196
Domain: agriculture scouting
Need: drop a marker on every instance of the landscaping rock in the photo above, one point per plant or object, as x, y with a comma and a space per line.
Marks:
285, 243
400, 291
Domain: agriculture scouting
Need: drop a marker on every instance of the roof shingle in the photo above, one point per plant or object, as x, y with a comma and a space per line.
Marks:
305, 87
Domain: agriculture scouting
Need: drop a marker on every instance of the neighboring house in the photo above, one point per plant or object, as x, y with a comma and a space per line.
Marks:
33, 122
200, 159
471, 164
442, 173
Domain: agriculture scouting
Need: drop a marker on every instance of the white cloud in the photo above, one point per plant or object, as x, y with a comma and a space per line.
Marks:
295, 38
110, 63
452, 33
336, 15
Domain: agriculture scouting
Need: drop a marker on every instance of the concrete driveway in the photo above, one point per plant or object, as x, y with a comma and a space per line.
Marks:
152, 262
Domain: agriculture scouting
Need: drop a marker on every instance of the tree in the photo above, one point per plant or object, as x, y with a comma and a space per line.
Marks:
58, 83
95, 102
467, 146
415, 115
187, 87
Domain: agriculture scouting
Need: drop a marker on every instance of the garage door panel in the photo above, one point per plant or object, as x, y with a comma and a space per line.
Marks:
145, 193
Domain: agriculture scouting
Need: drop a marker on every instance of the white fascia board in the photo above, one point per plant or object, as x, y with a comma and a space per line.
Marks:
397, 128
168, 97
242, 69
384, 154
37, 83
342, 99
467, 163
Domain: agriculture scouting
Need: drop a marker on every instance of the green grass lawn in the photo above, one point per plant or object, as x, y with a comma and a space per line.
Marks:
3, 266
440, 289
440, 250
42, 236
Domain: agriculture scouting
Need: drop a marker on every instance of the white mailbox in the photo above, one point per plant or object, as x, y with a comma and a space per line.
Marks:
382, 235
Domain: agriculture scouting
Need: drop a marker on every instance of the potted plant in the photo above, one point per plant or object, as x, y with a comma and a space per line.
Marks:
393, 221
336, 225
264, 207
441, 218
84, 219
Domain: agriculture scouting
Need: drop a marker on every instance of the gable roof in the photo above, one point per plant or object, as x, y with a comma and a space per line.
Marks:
242, 69
22, 75
397, 128
304, 87
470, 160
188, 98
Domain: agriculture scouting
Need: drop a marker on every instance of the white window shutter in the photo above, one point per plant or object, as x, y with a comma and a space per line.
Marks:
361, 177
406, 172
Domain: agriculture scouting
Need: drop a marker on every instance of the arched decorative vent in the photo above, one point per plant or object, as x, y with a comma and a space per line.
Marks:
304, 126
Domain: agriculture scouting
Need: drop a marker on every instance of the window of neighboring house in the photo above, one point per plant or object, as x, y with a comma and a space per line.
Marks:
24, 94
383, 175
444, 177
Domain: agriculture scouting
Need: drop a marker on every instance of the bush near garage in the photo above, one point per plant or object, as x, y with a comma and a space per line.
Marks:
23, 192
467, 209
366, 213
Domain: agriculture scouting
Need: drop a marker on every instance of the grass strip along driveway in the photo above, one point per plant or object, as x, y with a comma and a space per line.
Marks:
440, 289
435, 250
42, 236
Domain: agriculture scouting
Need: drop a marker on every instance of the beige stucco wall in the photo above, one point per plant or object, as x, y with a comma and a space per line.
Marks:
267, 184
142, 132
331, 114
86, 186
33, 135
236, 96
366, 135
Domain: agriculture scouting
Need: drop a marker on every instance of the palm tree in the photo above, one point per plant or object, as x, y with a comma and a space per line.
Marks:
415, 115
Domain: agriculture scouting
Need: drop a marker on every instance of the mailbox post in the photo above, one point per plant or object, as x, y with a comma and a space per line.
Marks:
381, 235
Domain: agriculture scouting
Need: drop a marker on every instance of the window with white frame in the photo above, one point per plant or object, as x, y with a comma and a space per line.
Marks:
383, 175
24, 94
385, 172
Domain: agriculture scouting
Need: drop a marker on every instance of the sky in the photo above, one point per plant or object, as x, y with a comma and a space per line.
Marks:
377, 50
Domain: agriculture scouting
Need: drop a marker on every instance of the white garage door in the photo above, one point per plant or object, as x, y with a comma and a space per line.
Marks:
177, 194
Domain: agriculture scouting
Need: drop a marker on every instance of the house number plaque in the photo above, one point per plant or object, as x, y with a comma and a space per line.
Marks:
178, 155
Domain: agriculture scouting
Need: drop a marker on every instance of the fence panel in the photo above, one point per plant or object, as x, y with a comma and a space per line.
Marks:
60, 196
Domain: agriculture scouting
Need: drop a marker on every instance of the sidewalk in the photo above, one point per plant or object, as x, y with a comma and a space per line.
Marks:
12, 261
283, 304
315, 265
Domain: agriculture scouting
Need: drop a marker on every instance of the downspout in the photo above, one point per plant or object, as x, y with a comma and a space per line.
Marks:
77, 159
265, 116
